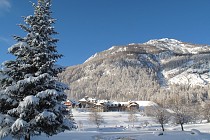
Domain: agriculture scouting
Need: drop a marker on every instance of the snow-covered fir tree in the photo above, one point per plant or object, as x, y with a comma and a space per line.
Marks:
31, 97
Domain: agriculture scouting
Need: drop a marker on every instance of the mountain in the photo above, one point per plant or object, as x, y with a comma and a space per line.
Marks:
143, 72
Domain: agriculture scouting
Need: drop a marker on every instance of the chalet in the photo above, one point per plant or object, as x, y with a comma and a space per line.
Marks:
117, 106
82, 103
68, 103
87, 102
133, 106
101, 107
123, 106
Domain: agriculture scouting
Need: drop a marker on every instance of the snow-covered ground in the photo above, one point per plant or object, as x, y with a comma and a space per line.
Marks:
117, 127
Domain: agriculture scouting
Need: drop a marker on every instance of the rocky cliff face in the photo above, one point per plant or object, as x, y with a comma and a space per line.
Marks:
141, 71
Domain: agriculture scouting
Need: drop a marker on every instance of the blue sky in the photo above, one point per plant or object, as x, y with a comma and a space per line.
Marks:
89, 26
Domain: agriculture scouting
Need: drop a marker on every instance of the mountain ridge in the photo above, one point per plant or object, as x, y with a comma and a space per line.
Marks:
122, 70
162, 45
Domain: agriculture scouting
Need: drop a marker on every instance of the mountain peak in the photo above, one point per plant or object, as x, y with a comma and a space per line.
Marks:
153, 47
178, 46
163, 40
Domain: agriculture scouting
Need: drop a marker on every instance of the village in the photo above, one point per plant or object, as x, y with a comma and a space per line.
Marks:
89, 103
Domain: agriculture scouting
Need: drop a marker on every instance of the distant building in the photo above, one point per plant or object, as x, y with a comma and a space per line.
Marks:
101, 107
87, 102
68, 103
117, 106
133, 106
106, 105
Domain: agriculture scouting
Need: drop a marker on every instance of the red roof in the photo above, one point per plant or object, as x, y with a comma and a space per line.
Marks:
67, 103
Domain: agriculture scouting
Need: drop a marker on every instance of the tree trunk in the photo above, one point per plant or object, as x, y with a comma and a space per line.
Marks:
162, 127
182, 127
27, 137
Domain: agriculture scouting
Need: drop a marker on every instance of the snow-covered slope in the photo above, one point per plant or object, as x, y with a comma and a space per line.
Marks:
192, 66
178, 46
135, 68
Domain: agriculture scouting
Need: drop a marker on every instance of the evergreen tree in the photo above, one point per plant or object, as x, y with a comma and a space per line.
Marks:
30, 94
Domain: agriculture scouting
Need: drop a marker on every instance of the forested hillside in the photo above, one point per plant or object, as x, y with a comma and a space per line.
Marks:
156, 70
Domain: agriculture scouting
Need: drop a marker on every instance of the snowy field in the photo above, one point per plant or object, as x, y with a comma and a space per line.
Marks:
117, 127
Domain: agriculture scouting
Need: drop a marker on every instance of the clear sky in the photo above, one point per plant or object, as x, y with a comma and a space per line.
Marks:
89, 26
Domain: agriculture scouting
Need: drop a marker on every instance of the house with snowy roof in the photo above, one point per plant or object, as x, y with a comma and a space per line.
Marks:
87, 102
68, 103
132, 105
101, 107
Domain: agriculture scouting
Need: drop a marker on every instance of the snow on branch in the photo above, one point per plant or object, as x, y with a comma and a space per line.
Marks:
16, 48
29, 100
4, 132
47, 116
32, 79
19, 125
49, 92
5, 120
5, 123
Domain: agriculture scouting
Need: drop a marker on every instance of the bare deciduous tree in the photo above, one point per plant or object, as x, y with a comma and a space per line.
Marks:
96, 118
80, 125
161, 116
181, 111
132, 117
206, 111
196, 111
